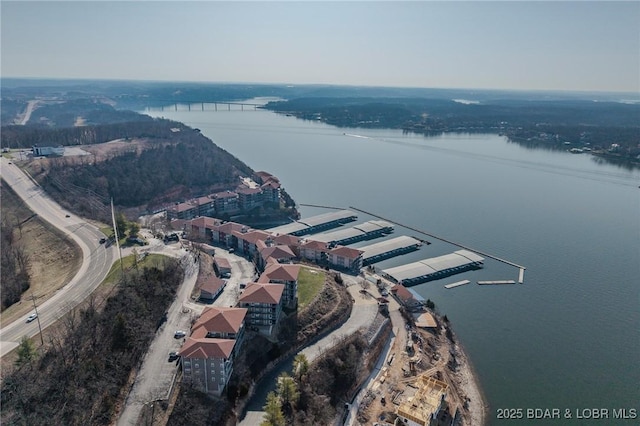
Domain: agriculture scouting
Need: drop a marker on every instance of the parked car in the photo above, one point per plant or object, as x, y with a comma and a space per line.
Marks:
173, 356
32, 317
179, 334
136, 240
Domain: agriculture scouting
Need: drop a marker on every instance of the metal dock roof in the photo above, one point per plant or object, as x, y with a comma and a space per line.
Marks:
321, 219
387, 246
314, 221
357, 232
424, 268
374, 225
339, 235
288, 228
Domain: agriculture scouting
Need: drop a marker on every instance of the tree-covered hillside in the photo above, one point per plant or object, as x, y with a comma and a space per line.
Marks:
176, 163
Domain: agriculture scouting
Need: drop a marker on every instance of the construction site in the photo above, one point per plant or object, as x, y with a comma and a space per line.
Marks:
424, 379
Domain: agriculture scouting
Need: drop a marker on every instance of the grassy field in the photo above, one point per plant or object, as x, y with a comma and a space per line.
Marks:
310, 282
112, 279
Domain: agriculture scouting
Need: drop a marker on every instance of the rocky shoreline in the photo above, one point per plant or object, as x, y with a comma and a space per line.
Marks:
469, 384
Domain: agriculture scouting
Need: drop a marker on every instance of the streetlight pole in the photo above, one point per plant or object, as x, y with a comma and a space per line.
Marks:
33, 299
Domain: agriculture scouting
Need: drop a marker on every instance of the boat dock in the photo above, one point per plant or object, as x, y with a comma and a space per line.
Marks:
522, 268
457, 284
364, 231
434, 268
378, 252
315, 223
498, 282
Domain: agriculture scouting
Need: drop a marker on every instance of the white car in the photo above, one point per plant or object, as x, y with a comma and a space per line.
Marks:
32, 317
179, 334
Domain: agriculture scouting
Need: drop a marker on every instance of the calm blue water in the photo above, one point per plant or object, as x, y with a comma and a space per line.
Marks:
569, 337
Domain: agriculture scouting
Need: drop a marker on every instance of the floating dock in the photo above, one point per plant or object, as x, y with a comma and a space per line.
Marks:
457, 284
521, 277
522, 268
315, 223
387, 249
498, 282
434, 268
364, 231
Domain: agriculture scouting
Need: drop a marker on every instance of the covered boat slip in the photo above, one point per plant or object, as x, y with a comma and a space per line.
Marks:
315, 223
434, 268
386, 249
363, 231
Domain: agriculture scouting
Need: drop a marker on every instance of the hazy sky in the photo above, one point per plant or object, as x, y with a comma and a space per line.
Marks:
504, 45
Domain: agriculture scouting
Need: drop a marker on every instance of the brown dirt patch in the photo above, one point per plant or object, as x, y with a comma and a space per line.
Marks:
54, 258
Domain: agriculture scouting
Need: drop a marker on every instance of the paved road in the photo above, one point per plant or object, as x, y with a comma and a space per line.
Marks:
27, 114
364, 311
156, 376
96, 258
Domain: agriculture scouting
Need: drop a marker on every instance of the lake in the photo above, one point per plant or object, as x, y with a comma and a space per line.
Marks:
567, 338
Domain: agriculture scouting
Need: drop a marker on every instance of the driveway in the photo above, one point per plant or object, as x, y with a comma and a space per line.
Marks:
157, 375
365, 308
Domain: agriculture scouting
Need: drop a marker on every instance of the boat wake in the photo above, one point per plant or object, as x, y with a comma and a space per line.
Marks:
356, 136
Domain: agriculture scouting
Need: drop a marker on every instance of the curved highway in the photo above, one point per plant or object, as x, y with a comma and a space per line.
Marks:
96, 258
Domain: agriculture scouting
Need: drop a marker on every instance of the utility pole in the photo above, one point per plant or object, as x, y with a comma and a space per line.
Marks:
115, 232
33, 299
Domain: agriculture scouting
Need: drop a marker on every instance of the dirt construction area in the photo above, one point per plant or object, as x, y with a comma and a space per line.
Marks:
416, 353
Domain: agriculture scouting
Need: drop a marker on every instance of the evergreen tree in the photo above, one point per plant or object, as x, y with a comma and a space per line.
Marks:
273, 415
300, 366
287, 391
26, 352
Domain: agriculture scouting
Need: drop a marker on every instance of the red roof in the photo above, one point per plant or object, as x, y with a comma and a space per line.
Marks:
222, 262
277, 271
224, 194
271, 184
229, 227
251, 236
262, 293
207, 348
212, 284
277, 252
265, 176
286, 239
182, 207
248, 191
348, 252
314, 245
402, 292
204, 200
220, 320
204, 222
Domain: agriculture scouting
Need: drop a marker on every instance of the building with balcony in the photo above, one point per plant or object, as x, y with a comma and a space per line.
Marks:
286, 274
345, 258
207, 356
264, 305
